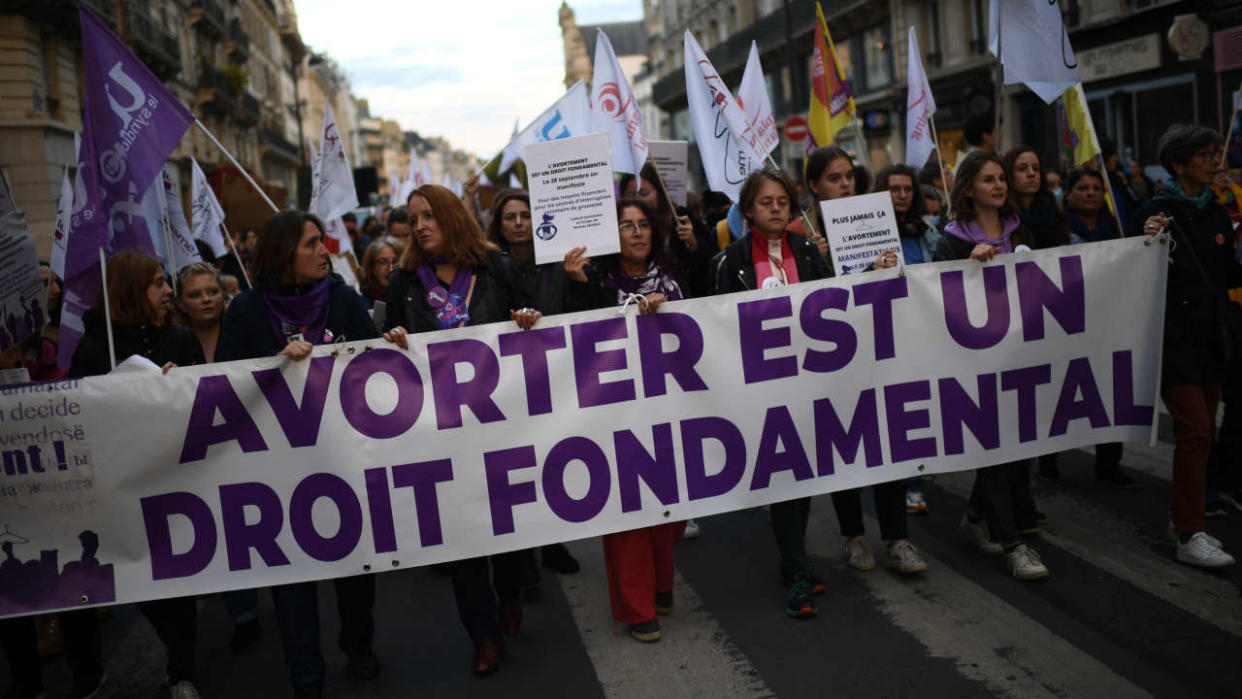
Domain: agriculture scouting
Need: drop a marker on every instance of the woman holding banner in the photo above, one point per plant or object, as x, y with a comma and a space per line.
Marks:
831, 174
768, 256
687, 237
140, 301
450, 277
297, 303
639, 562
985, 224
1201, 332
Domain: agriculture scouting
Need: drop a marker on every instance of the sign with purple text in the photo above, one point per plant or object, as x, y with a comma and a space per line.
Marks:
479, 440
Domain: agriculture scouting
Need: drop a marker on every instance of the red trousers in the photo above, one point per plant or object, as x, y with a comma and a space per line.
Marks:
640, 564
1193, 409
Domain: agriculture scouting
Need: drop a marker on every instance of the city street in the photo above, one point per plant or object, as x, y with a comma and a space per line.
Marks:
1117, 618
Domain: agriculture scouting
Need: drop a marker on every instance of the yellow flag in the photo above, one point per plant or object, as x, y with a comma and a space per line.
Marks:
1080, 140
832, 103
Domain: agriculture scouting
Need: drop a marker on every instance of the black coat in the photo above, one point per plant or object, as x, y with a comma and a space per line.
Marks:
247, 332
1193, 351
952, 247
696, 272
497, 290
735, 265
544, 284
159, 343
1047, 225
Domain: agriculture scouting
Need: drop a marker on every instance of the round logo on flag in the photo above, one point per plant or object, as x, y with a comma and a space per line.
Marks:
796, 129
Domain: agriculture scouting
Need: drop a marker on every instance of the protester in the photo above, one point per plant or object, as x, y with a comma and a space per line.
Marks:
298, 303
933, 206
1141, 185
1053, 180
399, 226
772, 256
918, 244
978, 133
139, 303
831, 174
453, 277
639, 562
378, 263
38, 354
358, 240
985, 224
691, 243
1086, 207
935, 175
1123, 198
1196, 356
1037, 207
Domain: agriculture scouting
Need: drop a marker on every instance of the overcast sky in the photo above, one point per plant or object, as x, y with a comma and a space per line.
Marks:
461, 69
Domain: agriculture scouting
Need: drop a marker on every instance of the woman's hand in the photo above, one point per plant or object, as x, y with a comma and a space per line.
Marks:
471, 188
653, 303
1154, 225
685, 231
886, 260
398, 336
297, 350
168, 365
525, 317
820, 242
575, 264
983, 253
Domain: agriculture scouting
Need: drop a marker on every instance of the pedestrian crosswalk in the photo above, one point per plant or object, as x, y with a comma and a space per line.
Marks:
1117, 618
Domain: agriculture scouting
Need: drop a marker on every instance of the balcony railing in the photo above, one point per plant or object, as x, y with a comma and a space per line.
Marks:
238, 42
160, 46
248, 111
208, 16
216, 91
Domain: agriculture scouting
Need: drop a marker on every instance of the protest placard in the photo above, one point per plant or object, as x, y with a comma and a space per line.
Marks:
858, 229
572, 197
671, 160
365, 457
23, 299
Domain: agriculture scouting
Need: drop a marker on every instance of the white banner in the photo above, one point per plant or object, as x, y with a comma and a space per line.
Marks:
572, 197
245, 474
858, 229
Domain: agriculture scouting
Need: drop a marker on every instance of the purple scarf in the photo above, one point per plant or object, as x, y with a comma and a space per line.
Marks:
300, 314
449, 307
653, 281
972, 232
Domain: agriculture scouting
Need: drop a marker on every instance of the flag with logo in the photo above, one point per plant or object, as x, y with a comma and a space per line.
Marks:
206, 214
832, 103
334, 194
1083, 146
920, 106
1036, 48
132, 123
727, 143
64, 210
567, 117
614, 110
183, 251
752, 97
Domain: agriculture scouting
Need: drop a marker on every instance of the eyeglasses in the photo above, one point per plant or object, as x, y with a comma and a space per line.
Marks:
627, 226
383, 262
1210, 156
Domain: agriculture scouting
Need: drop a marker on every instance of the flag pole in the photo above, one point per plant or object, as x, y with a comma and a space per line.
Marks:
1237, 101
242, 170
1099, 159
806, 219
103, 274
1000, 81
229, 239
948, 214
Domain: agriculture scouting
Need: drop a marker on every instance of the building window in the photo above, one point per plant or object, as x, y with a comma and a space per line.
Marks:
713, 33
877, 57
731, 24
978, 27
932, 37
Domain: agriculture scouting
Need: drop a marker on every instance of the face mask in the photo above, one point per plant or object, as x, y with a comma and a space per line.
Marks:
1056, 193
933, 221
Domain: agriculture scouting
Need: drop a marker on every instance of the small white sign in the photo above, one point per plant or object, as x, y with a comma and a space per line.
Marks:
671, 160
859, 229
572, 198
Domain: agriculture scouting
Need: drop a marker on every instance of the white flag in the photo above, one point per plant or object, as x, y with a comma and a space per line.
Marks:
569, 116
416, 172
457, 188
60, 239
335, 192
425, 175
614, 110
314, 162
184, 250
920, 105
394, 190
727, 144
1035, 46
446, 180
206, 214
752, 97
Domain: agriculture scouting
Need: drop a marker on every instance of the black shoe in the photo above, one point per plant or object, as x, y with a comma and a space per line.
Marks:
1216, 508
1116, 478
310, 690
798, 602
647, 631
246, 636
557, 557
664, 602
1029, 523
814, 585
364, 666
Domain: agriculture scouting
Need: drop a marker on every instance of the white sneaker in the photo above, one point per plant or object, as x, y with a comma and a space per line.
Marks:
1024, 564
915, 502
976, 533
1201, 551
692, 530
1174, 538
904, 558
858, 554
183, 690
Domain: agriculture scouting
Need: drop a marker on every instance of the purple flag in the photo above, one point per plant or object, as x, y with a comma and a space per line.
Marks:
132, 124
